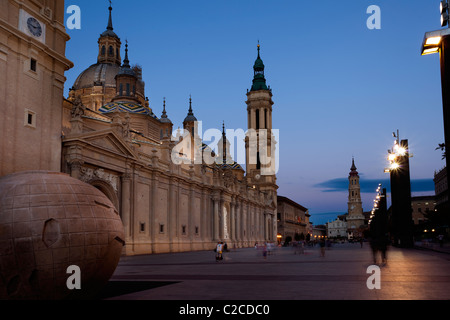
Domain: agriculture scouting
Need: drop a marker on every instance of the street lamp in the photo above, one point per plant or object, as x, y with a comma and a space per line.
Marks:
402, 228
439, 41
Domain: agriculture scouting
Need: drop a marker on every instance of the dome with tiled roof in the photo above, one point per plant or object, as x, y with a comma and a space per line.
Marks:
130, 107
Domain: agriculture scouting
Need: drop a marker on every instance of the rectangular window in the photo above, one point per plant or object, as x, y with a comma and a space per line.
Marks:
33, 65
257, 119
183, 229
30, 119
265, 118
161, 228
196, 230
128, 89
258, 162
142, 227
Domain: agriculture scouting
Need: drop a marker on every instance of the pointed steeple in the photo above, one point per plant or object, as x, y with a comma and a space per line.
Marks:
190, 117
259, 81
164, 117
126, 62
126, 68
110, 25
224, 143
109, 28
353, 171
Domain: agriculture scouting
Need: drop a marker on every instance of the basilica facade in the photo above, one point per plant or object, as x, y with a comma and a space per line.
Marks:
173, 192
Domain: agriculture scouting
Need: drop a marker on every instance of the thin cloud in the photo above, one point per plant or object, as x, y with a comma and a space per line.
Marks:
370, 185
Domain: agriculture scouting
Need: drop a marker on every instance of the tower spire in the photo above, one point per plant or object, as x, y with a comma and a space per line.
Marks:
126, 62
190, 116
224, 144
259, 81
190, 106
164, 114
110, 25
353, 171
259, 50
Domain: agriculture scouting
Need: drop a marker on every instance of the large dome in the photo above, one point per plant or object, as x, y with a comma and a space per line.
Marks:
97, 74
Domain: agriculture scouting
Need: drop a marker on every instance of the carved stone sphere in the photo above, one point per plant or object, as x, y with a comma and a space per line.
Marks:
48, 223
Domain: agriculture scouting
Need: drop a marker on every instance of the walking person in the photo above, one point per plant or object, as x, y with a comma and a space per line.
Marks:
219, 251
441, 240
322, 247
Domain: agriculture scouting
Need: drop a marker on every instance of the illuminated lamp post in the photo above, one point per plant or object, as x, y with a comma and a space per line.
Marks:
401, 218
378, 223
434, 42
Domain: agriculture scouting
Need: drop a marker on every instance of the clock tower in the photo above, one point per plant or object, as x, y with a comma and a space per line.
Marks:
32, 65
355, 218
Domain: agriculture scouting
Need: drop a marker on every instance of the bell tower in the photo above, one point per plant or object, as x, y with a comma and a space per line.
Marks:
260, 142
260, 146
355, 218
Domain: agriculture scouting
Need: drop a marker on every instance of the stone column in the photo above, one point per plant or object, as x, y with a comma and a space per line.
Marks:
191, 224
261, 118
75, 168
238, 223
126, 207
216, 235
171, 221
153, 200
232, 221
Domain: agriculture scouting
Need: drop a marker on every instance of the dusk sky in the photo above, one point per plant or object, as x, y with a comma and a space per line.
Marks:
340, 89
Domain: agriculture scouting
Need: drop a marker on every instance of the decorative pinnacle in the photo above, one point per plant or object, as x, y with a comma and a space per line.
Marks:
110, 26
126, 62
259, 49
164, 114
190, 105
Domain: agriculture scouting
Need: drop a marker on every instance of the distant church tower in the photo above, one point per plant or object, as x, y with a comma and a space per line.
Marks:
355, 217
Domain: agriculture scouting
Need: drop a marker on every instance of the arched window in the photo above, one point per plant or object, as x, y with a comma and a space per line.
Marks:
111, 51
103, 50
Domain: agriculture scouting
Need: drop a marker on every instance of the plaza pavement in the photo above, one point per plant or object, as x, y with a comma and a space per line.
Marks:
244, 274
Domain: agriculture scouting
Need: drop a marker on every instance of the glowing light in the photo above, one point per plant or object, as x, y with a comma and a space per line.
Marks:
430, 51
433, 41
401, 151
395, 166
392, 157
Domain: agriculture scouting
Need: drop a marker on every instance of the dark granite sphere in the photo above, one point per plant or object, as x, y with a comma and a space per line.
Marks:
50, 222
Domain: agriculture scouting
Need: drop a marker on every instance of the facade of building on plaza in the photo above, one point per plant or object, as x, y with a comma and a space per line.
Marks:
422, 205
292, 219
173, 193
337, 229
